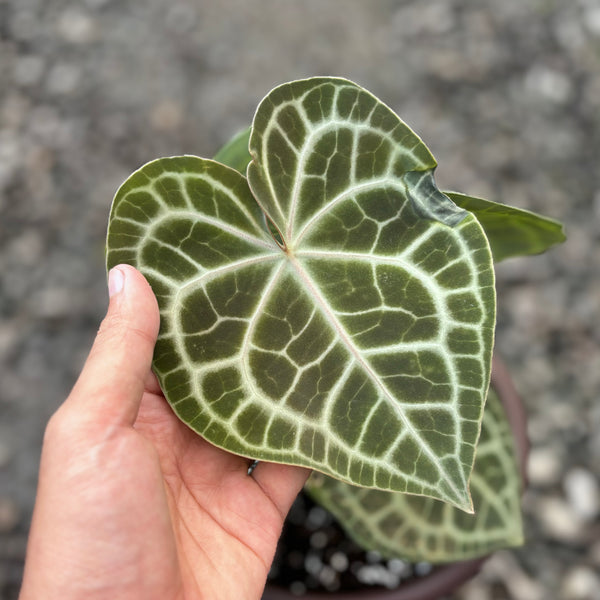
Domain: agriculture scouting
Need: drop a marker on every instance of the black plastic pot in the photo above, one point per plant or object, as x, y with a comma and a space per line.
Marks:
444, 579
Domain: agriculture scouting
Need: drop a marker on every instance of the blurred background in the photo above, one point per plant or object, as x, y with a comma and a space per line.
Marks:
505, 94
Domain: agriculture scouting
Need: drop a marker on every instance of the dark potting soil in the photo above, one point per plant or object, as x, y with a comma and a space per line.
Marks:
314, 554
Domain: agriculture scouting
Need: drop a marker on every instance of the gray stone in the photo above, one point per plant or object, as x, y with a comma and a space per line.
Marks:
559, 519
28, 70
581, 583
548, 84
63, 78
583, 493
10, 515
544, 466
5, 454
591, 19
76, 26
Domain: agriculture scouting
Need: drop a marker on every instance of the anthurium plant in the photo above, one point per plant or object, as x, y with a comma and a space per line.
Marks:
324, 304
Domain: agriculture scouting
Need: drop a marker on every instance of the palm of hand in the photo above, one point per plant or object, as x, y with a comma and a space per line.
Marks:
224, 524
153, 511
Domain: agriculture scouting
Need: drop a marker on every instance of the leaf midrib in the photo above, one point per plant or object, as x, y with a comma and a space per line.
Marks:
314, 292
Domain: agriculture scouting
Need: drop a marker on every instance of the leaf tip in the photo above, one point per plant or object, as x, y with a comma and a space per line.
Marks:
463, 501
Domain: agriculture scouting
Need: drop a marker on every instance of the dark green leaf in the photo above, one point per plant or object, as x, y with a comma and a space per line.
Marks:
348, 325
423, 529
511, 231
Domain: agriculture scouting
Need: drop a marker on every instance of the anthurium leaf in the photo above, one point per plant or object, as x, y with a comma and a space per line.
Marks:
349, 327
235, 152
511, 231
423, 529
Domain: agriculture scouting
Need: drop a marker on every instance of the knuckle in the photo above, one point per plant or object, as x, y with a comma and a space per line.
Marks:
111, 328
142, 335
115, 330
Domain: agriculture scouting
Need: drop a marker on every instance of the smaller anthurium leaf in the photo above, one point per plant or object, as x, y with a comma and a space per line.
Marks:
335, 310
511, 231
416, 528
235, 152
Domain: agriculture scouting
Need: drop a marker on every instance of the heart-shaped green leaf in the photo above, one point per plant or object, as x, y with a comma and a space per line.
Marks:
347, 326
423, 529
511, 231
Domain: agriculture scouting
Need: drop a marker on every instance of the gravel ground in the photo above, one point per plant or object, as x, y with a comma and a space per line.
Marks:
507, 96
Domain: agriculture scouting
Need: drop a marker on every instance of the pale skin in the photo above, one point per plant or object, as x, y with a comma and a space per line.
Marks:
131, 503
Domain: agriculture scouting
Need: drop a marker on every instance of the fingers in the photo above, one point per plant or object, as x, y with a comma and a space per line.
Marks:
280, 483
117, 370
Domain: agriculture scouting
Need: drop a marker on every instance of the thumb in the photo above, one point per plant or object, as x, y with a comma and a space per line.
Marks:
111, 384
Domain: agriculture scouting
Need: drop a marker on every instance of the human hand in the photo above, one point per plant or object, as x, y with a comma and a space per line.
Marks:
133, 504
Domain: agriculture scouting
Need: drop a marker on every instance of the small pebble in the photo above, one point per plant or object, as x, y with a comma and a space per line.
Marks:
399, 567
76, 27
52, 302
317, 517
377, 575
559, 519
181, 18
63, 79
329, 578
339, 561
592, 19
166, 116
583, 493
581, 583
9, 515
9, 339
594, 554
548, 84
422, 569
544, 466
27, 248
318, 539
313, 564
28, 70
6, 454
24, 24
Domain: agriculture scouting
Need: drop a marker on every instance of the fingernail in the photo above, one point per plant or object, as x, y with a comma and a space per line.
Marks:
116, 281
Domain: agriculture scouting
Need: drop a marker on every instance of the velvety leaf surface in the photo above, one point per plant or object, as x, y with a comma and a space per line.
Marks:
511, 231
423, 529
349, 327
